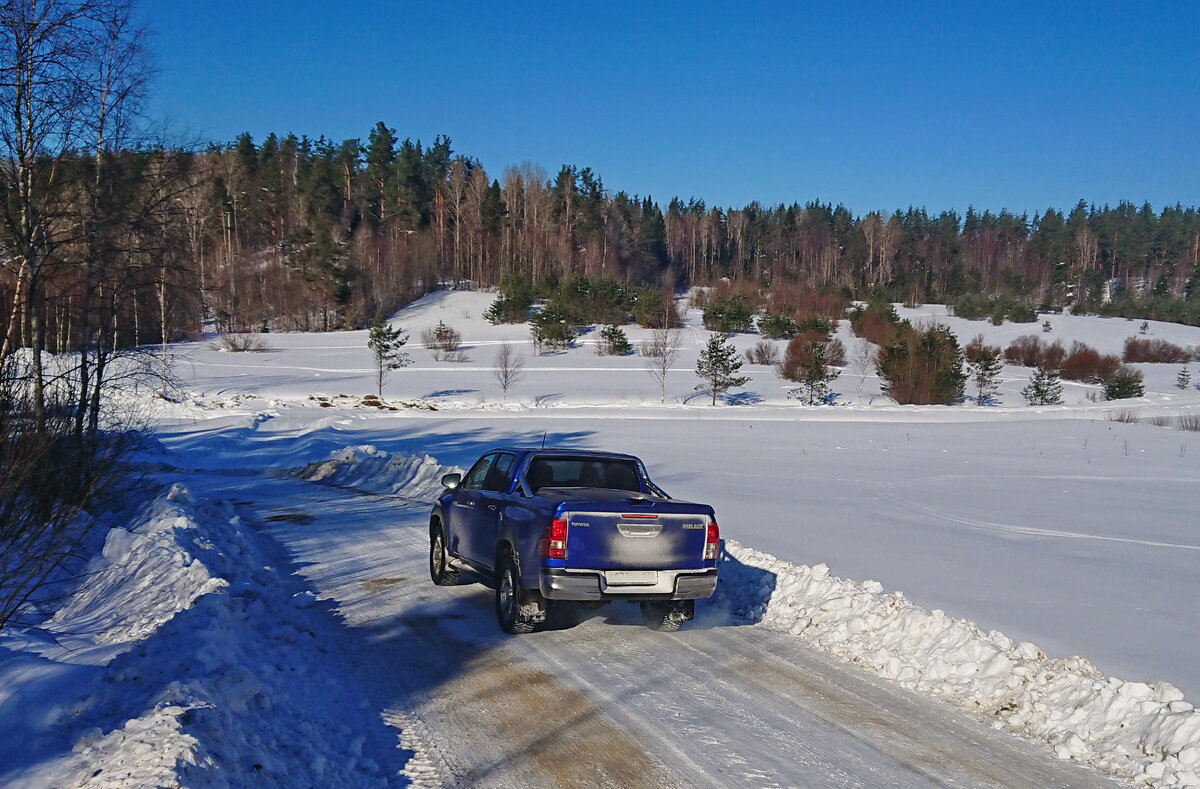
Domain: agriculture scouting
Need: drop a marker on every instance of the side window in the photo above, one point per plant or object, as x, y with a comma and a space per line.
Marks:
500, 473
478, 473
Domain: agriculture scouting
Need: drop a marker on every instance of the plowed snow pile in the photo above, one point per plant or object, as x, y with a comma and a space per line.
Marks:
184, 645
1146, 733
367, 468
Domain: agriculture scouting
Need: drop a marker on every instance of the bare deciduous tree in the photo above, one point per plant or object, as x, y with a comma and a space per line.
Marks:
509, 368
862, 363
660, 352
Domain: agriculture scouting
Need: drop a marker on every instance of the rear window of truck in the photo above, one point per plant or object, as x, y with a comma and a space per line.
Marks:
583, 472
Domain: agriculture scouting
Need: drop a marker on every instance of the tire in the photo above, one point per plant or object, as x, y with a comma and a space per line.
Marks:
666, 617
514, 611
440, 570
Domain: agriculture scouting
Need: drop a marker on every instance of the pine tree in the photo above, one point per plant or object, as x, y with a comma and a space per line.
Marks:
807, 363
1044, 388
985, 368
613, 342
1184, 379
718, 366
385, 342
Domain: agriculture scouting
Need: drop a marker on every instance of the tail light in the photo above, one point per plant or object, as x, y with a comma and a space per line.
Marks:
712, 541
554, 545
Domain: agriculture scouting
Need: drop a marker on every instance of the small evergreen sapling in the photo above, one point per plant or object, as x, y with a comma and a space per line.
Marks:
718, 366
385, 343
613, 342
1044, 388
1125, 384
984, 368
1184, 379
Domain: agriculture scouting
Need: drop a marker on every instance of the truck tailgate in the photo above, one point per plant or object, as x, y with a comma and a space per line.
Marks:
635, 541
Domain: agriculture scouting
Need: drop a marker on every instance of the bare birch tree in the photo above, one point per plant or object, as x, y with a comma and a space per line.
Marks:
509, 368
660, 352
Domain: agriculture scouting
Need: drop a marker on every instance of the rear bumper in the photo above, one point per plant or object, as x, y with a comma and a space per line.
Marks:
594, 585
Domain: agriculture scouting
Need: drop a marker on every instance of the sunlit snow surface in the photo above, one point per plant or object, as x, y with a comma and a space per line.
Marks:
1055, 527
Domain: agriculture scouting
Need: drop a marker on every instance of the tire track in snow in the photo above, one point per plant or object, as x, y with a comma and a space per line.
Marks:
1031, 531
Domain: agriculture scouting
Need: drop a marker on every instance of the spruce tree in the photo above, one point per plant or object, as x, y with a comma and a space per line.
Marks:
718, 366
1184, 379
1125, 384
613, 342
985, 368
1044, 388
385, 343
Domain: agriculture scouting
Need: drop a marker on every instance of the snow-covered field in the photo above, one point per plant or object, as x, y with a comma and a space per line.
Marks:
1042, 534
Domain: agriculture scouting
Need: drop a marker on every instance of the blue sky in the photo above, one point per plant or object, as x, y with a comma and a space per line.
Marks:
877, 106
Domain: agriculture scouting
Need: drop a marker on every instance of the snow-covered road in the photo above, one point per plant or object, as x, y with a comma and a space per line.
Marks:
596, 699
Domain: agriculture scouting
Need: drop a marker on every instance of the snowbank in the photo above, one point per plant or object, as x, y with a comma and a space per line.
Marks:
366, 468
207, 671
1143, 732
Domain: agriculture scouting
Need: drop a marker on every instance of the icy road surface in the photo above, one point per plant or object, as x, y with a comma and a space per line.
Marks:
597, 699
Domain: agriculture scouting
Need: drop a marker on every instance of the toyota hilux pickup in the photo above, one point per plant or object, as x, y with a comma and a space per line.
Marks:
544, 525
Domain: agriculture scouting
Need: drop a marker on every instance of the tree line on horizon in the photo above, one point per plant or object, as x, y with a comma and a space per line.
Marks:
296, 233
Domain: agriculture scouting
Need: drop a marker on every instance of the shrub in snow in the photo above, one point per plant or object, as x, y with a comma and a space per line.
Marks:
1138, 350
1086, 364
1184, 379
728, 314
442, 341
877, 322
240, 343
763, 352
1029, 351
655, 309
923, 367
807, 363
777, 327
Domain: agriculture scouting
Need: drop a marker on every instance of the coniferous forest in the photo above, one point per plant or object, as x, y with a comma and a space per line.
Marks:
296, 233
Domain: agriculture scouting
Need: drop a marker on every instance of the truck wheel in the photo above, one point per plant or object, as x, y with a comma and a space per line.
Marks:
667, 617
517, 611
439, 562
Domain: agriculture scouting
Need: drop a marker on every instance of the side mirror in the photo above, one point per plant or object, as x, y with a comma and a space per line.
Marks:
451, 480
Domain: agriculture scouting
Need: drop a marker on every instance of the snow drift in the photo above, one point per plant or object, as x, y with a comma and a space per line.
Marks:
206, 669
1138, 731
366, 468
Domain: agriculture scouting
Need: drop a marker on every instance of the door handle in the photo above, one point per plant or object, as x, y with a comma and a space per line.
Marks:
492, 507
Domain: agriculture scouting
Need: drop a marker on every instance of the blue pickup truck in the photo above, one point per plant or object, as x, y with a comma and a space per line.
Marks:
541, 525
